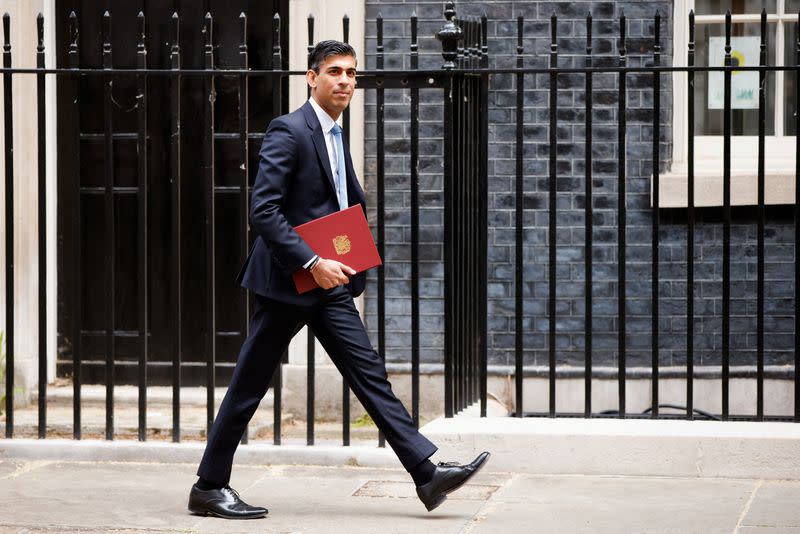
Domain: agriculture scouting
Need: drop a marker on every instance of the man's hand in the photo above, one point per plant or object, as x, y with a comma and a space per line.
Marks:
331, 273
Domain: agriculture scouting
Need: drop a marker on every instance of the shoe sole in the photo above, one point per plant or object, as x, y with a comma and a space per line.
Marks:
444, 494
223, 516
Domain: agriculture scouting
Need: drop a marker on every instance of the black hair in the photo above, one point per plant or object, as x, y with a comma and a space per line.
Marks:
325, 49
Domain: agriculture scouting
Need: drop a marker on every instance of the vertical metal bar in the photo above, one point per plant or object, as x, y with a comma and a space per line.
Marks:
726, 227
42, 213
466, 230
8, 121
621, 213
656, 213
380, 140
472, 147
110, 230
690, 229
473, 212
310, 47
414, 229
551, 279
142, 160
310, 342
346, 136
277, 385
244, 210
467, 233
484, 207
458, 299
587, 254
77, 289
457, 163
449, 267
277, 378
175, 223
519, 221
208, 166
310, 362
762, 122
797, 235
463, 214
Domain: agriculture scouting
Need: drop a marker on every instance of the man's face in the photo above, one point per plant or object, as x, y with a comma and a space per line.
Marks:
333, 87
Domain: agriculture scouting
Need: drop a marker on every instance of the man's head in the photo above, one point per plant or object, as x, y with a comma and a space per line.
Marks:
332, 76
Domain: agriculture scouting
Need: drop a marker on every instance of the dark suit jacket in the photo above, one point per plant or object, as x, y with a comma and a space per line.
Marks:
294, 185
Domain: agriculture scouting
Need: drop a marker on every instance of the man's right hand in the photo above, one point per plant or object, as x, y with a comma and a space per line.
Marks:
331, 273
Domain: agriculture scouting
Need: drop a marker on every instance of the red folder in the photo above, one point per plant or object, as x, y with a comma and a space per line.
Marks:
343, 236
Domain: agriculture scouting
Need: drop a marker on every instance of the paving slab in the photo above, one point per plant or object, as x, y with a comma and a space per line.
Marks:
104, 495
325, 500
614, 504
775, 505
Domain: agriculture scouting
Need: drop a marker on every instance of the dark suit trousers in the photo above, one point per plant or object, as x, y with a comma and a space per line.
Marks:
338, 326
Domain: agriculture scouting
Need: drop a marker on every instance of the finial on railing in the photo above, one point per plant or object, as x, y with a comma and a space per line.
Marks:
589, 46
6, 32
276, 42
73, 32
728, 24
40, 32
243, 31
449, 35
484, 39
174, 33
105, 31
414, 23
657, 35
208, 30
310, 46
379, 44
140, 46
346, 28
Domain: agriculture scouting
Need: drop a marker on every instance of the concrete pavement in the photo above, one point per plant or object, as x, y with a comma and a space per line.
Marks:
101, 496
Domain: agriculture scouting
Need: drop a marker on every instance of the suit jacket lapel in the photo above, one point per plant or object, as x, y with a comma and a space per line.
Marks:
351, 174
319, 142
322, 153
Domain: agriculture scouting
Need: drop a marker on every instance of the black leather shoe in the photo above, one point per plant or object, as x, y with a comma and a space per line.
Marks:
446, 478
222, 502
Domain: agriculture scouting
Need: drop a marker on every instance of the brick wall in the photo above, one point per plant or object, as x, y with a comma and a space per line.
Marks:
571, 200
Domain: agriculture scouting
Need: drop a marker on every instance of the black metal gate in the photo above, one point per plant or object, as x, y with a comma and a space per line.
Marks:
151, 200
99, 263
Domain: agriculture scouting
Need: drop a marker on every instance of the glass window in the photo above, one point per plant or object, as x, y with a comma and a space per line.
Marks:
745, 49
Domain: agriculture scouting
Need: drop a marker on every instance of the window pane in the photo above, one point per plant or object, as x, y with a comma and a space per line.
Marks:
790, 79
791, 6
744, 94
719, 7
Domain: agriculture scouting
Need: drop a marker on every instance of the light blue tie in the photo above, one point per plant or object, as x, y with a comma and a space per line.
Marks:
341, 181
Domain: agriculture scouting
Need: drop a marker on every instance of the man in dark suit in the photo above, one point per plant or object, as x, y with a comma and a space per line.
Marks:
305, 172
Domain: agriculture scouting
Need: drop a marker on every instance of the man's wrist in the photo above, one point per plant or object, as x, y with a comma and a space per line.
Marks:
313, 264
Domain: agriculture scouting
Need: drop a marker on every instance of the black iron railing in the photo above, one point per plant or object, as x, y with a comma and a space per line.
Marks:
464, 83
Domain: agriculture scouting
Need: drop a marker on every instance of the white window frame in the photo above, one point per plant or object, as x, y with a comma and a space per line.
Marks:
779, 149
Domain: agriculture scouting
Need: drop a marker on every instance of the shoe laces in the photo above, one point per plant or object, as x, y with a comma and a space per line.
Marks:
231, 491
448, 464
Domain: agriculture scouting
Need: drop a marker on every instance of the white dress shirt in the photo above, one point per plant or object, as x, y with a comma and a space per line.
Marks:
326, 122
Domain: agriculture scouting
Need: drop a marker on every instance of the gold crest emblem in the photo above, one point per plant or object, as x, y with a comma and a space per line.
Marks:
342, 244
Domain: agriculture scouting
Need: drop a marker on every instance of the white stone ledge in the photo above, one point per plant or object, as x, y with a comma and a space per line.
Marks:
626, 447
